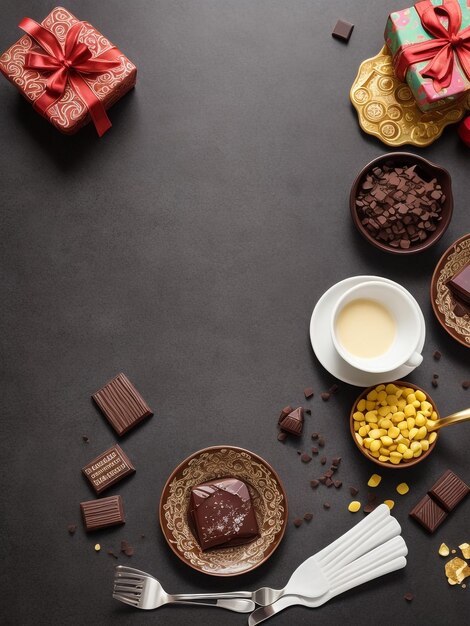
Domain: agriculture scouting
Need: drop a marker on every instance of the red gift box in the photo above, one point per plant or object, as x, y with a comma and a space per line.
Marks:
68, 70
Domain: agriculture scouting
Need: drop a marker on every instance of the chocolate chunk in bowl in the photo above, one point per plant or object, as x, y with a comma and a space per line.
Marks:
268, 500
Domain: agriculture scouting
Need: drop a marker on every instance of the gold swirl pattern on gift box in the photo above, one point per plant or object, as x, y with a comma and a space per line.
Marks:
443, 302
386, 107
69, 113
269, 502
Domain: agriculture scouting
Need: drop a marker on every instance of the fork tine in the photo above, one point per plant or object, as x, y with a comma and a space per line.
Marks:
131, 570
126, 599
134, 578
136, 591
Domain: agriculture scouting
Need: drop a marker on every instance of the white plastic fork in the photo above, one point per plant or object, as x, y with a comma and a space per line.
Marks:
384, 559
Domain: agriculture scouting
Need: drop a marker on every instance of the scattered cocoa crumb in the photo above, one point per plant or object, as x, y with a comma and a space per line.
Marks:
353, 491
127, 548
326, 505
369, 507
333, 389
323, 460
434, 383
322, 479
308, 517
305, 458
308, 411
436, 376
371, 497
314, 450
314, 483
466, 384
308, 392
315, 436
298, 522
282, 436
72, 529
299, 452
328, 482
338, 484
325, 396
85, 439
336, 461
321, 442
142, 536
437, 355
408, 597
111, 553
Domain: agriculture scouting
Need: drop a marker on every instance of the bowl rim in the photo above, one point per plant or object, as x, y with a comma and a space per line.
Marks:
443, 225
365, 452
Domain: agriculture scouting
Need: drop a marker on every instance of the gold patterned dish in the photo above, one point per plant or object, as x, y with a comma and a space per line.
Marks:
386, 107
269, 502
443, 302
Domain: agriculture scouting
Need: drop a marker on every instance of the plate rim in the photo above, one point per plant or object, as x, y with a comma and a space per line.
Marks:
186, 462
433, 291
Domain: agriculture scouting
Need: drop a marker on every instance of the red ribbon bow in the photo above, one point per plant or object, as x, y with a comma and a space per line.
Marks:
68, 64
441, 49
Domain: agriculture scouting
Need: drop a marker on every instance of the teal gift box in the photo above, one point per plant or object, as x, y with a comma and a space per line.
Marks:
405, 29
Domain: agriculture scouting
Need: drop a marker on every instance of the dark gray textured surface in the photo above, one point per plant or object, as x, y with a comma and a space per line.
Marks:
187, 248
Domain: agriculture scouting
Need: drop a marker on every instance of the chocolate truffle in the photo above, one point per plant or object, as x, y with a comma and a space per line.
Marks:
221, 513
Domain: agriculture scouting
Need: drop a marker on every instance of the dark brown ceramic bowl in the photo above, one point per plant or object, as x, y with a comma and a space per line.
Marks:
365, 452
269, 502
427, 171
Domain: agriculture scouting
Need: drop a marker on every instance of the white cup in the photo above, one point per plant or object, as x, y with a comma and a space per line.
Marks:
408, 327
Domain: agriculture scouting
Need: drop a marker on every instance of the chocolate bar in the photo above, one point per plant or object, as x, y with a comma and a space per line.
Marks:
428, 513
122, 404
221, 513
460, 284
342, 30
102, 513
449, 491
108, 469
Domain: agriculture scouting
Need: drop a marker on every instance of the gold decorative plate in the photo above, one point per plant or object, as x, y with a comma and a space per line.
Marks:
269, 502
386, 107
452, 261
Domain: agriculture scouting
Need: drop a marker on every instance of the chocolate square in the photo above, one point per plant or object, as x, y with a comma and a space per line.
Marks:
342, 30
102, 513
428, 513
449, 490
460, 284
108, 468
221, 513
122, 404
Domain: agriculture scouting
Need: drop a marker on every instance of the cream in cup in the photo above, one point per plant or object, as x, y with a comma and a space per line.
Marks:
376, 327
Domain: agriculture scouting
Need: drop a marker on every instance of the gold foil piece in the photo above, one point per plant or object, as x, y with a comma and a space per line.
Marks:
457, 570
465, 547
444, 550
387, 109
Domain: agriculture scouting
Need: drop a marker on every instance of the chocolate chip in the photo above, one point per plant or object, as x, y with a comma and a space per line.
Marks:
308, 517
282, 436
321, 442
434, 383
353, 491
127, 548
315, 436
299, 452
466, 384
437, 355
325, 396
336, 461
322, 479
338, 484
326, 505
71, 529
85, 439
308, 411
314, 483
328, 482
305, 458
298, 522
314, 450
308, 392
323, 460
435, 376
329, 473
369, 507
409, 597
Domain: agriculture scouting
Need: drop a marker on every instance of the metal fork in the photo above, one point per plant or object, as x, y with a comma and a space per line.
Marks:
143, 591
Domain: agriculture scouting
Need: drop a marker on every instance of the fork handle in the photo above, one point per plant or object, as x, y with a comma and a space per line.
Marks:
234, 604
212, 596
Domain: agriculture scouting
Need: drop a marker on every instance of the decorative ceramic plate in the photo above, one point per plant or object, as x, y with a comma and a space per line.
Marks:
443, 301
386, 107
269, 502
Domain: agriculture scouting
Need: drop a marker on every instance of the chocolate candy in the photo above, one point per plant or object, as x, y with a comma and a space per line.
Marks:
122, 404
460, 284
449, 491
294, 422
308, 392
397, 207
342, 30
221, 513
428, 513
108, 468
102, 513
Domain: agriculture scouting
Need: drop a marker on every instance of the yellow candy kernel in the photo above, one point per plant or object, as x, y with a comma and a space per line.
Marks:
402, 488
389, 503
354, 506
432, 437
97, 547
361, 405
444, 550
375, 445
374, 480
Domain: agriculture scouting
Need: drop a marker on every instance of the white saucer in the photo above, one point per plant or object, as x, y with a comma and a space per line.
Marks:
322, 343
